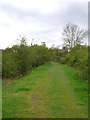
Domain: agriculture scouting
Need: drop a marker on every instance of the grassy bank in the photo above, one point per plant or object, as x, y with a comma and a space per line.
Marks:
49, 91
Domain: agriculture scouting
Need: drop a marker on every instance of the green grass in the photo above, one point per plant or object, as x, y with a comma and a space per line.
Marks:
49, 91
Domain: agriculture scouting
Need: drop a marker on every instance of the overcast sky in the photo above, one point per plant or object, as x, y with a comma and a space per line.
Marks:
42, 20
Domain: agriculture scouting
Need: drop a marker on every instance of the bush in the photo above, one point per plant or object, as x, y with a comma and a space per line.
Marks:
78, 57
9, 64
20, 59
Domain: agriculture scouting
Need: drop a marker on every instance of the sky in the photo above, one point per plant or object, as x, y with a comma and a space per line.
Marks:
40, 20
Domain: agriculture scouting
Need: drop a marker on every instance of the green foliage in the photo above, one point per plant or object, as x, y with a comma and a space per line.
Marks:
39, 55
78, 57
9, 66
57, 54
20, 59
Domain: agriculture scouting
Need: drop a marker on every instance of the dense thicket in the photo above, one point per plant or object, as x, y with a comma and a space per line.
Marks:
78, 58
20, 59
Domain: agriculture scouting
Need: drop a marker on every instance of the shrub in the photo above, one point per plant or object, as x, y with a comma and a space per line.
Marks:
78, 57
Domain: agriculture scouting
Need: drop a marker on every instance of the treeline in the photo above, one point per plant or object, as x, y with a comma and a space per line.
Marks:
21, 59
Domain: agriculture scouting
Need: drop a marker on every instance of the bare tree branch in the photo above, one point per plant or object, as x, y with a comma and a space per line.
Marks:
73, 35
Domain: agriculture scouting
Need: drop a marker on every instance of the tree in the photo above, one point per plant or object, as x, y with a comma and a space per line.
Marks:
22, 41
73, 35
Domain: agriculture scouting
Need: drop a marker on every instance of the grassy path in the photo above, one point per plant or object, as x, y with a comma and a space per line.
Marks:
48, 92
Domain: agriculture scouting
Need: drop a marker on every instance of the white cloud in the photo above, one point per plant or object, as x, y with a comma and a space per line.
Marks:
39, 19
43, 6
